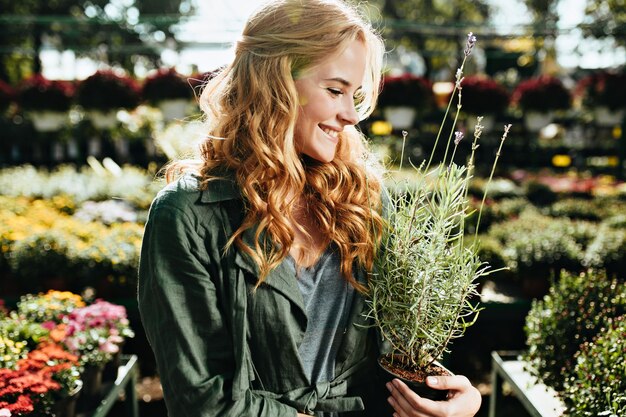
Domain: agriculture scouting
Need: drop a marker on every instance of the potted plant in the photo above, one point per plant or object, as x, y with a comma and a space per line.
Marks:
95, 334
603, 92
539, 97
104, 93
46, 101
52, 306
402, 96
424, 275
44, 382
169, 91
598, 385
537, 247
607, 250
557, 325
483, 96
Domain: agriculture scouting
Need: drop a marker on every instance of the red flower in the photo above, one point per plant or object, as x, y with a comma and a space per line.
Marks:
106, 90
406, 90
39, 93
23, 405
166, 84
482, 95
542, 93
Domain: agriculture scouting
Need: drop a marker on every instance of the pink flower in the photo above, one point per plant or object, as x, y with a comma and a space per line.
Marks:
48, 325
109, 347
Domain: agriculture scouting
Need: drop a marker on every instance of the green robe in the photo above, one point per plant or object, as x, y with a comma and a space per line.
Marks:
222, 350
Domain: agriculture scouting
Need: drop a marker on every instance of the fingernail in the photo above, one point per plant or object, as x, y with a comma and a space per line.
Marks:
396, 383
432, 380
389, 386
390, 400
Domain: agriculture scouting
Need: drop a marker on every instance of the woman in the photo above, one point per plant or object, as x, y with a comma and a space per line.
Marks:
253, 268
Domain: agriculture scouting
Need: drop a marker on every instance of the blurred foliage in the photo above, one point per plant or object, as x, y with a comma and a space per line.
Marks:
598, 387
574, 311
440, 34
606, 18
98, 29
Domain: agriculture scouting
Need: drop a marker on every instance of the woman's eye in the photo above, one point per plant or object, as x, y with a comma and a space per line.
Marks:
335, 92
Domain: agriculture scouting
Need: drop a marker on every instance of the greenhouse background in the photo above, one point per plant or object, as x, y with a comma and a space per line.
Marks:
97, 96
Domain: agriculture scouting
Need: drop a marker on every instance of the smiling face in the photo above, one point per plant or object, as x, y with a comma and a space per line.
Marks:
326, 96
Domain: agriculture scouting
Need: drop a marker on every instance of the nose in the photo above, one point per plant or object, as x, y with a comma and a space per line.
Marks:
348, 115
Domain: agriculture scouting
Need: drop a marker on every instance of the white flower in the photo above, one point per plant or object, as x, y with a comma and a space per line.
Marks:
4, 412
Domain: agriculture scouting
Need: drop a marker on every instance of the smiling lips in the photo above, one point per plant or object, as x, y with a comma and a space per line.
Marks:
332, 133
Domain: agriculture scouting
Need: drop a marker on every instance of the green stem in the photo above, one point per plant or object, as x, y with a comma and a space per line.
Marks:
456, 117
404, 135
445, 116
493, 169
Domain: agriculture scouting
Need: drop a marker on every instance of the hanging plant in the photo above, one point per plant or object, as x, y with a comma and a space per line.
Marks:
37, 93
406, 90
482, 95
166, 84
541, 94
107, 90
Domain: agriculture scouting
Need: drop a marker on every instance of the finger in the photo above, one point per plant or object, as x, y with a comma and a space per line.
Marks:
454, 383
462, 395
408, 403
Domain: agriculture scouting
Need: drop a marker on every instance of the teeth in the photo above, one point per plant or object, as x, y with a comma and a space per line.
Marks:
330, 132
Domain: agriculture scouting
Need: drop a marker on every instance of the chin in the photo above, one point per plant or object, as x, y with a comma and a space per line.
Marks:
317, 159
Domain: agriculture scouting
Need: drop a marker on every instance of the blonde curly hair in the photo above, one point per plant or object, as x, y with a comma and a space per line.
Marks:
251, 108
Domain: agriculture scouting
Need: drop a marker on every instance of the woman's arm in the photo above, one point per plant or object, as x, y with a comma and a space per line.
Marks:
463, 400
182, 318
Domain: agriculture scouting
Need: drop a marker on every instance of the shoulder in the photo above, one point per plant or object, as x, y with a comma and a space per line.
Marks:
181, 194
186, 195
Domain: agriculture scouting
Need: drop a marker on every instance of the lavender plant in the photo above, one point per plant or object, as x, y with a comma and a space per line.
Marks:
425, 275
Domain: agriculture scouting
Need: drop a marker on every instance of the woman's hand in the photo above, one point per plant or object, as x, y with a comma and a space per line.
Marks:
463, 399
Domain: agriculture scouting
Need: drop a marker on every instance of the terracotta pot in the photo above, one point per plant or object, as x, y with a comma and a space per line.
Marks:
419, 387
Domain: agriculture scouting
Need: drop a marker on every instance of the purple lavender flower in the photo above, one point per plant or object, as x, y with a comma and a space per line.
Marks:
469, 45
458, 137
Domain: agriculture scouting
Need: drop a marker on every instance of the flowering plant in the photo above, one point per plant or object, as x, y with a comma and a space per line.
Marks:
483, 95
95, 332
541, 94
20, 330
425, 275
11, 352
166, 84
406, 90
603, 88
39, 93
53, 306
46, 374
108, 90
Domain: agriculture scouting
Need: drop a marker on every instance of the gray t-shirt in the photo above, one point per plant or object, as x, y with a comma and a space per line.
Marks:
327, 300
